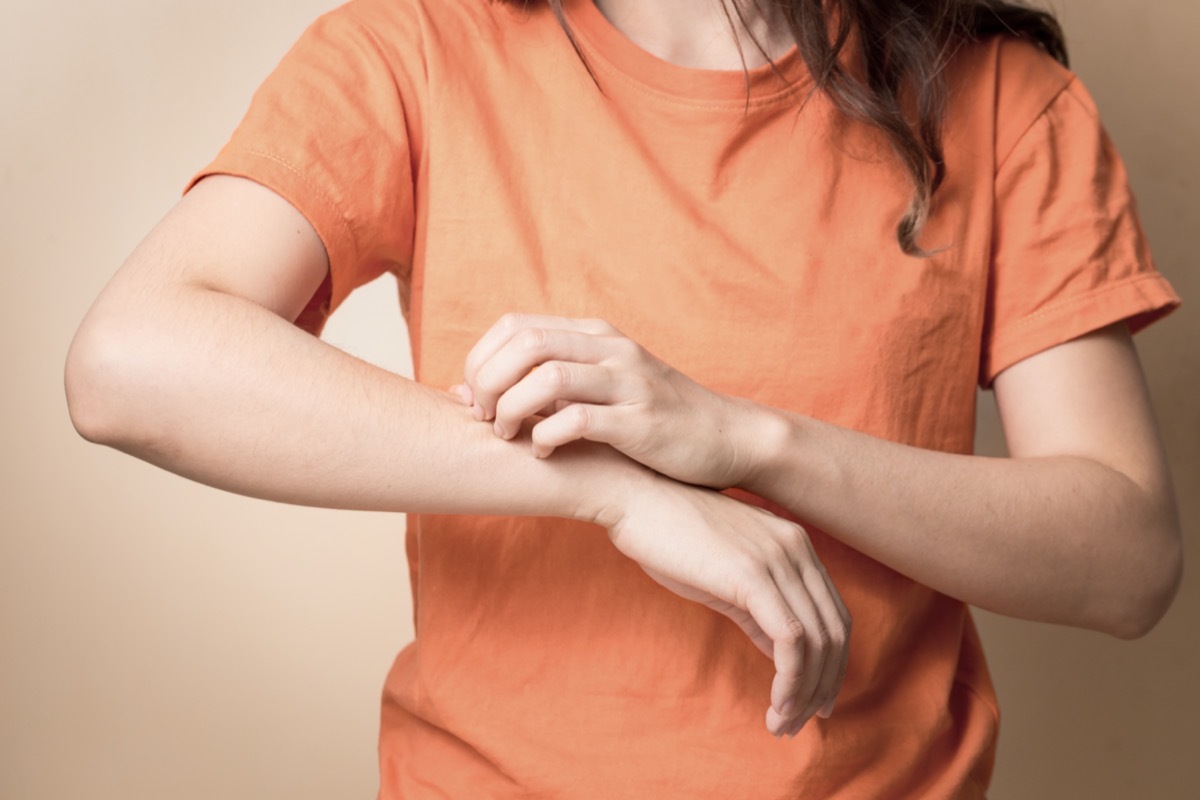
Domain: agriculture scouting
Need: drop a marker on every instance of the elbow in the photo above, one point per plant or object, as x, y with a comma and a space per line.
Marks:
81, 381
97, 380
1152, 589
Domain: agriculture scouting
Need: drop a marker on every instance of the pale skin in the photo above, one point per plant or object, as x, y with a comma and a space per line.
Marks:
189, 360
696, 33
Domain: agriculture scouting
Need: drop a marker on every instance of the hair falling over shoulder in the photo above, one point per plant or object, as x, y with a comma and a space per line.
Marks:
897, 83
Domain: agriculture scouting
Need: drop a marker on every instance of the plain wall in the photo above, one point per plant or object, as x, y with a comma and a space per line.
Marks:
159, 639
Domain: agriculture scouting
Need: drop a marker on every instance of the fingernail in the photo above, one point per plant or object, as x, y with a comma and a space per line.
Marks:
787, 708
499, 431
477, 411
827, 710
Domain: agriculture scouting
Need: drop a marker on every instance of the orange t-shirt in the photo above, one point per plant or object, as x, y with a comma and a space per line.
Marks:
462, 146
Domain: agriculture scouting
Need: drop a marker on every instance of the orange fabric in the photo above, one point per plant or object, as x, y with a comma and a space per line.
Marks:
462, 146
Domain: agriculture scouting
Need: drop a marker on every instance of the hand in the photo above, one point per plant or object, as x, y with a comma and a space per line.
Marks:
755, 568
589, 381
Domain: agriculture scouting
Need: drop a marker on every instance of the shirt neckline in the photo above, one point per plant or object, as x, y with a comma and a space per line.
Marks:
609, 49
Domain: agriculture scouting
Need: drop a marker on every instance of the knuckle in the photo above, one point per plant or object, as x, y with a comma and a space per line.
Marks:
473, 364
627, 347
486, 385
640, 384
796, 536
822, 637
776, 555
530, 340
600, 326
580, 418
511, 321
556, 374
752, 568
839, 635
793, 631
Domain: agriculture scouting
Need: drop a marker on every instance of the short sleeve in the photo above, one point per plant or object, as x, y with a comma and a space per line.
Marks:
1069, 255
328, 131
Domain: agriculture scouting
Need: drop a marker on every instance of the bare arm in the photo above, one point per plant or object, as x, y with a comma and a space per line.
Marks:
189, 360
1079, 526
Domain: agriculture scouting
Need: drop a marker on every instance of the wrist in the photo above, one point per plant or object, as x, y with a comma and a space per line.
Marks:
600, 484
798, 462
760, 439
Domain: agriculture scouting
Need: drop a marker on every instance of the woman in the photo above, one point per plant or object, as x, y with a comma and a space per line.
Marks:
719, 260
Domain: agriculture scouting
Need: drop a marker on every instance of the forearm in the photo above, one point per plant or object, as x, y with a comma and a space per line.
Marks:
223, 391
1080, 527
1061, 539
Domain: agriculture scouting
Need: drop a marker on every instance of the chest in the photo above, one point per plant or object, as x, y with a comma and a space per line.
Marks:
754, 252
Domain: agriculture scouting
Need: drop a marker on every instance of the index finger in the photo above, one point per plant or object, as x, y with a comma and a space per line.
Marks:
510, 324
509, 328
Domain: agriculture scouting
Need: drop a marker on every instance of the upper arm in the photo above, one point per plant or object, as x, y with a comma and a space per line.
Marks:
1086, 397
229, 235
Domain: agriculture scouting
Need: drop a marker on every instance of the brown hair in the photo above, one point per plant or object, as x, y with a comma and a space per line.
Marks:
897, 84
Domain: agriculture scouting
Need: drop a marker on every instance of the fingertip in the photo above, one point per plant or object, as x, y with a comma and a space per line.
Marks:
477, 411
774, 723
784, 690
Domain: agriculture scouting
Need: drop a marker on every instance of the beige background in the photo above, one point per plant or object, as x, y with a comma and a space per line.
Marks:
159, 639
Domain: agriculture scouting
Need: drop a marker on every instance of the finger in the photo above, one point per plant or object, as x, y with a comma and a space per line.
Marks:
553, 385
800, 704
462, 393
596, 423
510, 324
836, 631
775, 617
527, 349
837, 619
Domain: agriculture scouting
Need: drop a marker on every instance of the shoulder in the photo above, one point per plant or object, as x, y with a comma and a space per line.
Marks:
1006, 82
